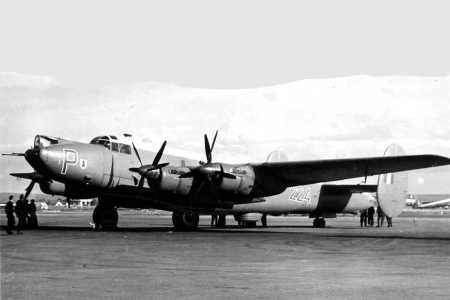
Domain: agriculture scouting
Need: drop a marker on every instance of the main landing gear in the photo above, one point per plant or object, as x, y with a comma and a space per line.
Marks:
185, 220
319, 222
105, 217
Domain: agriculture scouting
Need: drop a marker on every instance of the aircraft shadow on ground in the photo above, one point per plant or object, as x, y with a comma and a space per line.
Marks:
318, 232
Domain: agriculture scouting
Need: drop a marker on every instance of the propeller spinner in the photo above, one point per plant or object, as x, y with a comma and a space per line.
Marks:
208, 172
146, 170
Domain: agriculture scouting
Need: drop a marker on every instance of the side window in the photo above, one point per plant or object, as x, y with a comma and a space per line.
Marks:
125, 149
115, 147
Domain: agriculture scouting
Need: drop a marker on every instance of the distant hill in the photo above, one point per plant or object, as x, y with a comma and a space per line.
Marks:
36, 196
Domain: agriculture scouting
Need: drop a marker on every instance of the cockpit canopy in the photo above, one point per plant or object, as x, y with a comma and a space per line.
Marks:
111, 142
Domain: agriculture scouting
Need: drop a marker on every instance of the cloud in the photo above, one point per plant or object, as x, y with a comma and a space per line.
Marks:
17, 80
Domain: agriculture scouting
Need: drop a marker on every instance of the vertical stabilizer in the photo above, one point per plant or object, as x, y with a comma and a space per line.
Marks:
276, 156
392, 187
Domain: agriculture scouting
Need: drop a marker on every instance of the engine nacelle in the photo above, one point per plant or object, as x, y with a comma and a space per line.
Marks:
61, 189
170, 181
53, 188
242, 184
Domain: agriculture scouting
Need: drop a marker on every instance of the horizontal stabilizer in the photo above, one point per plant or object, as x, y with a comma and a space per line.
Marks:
351, 188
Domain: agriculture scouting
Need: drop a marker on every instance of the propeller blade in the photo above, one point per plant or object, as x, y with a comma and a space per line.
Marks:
159, 166
28, 189
137, 153
214, 141
13, 154
141, 182
186, 175
146, 168
159, 154
207, 150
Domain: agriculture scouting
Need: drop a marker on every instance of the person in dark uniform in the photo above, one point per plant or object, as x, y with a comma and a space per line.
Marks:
264, 220
213, 220
389, 221
370, 213
25, 214
9, 211
20, 211
32, 218
380, 218
363, 218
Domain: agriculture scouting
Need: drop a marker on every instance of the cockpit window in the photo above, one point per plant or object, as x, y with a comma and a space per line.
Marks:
101, 140
115, 147
111, 142
125, 149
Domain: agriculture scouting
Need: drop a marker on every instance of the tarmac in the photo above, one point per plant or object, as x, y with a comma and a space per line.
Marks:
146, 259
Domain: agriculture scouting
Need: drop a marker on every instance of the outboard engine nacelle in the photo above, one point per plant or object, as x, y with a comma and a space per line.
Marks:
242, 184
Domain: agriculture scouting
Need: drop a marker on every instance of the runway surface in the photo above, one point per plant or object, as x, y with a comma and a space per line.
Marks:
145, 259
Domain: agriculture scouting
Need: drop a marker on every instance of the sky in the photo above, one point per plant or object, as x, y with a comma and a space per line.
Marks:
315, 79
222, 44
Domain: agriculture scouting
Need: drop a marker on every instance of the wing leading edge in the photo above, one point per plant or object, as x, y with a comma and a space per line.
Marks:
309, 172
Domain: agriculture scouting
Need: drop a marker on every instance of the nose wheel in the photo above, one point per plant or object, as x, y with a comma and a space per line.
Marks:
319, 223
105, 217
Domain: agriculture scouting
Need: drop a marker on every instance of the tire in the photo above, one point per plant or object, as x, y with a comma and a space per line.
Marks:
322, 223
105, 217
185, 220
316, 223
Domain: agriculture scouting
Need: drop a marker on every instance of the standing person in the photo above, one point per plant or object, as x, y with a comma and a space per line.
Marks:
370, 213
380, 215
32, 218
26, 216
264, 220
213, 220
389, 221
9, 211
20, 211
363, 218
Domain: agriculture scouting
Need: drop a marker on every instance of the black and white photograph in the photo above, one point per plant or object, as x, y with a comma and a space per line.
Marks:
224, 149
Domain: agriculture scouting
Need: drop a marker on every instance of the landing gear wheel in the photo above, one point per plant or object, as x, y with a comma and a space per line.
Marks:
105, 217
221, 221
319, 223
322, 223
185, 220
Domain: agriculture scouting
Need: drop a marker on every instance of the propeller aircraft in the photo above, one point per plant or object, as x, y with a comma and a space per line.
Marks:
111, 169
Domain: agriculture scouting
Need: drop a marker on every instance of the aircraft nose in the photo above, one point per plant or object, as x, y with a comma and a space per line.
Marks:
43, 155
52, 158
44, 160
33, 157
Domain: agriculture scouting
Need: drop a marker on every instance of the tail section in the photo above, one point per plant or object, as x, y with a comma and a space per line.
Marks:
392, 187
276, 156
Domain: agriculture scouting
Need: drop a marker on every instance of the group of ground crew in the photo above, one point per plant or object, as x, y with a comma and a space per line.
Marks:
25, 213
366, 217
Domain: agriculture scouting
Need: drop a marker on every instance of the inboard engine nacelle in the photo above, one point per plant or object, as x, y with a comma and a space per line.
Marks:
168, 179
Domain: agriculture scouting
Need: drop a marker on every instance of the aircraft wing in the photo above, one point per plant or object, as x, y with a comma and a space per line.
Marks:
309, 172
